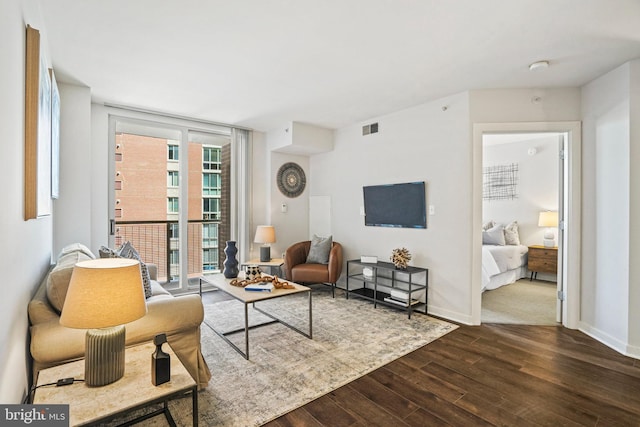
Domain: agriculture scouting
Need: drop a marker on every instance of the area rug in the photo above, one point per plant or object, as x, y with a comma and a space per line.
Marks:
287, 370
523, 302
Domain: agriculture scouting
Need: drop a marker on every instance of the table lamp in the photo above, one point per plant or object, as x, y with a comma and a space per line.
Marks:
548, 219
265, 234
103, 295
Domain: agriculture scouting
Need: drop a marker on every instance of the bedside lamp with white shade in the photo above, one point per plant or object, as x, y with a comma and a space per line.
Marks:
548, 219
103, 295
266, 235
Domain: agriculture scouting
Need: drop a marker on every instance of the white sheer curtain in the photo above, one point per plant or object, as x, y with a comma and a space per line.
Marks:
241, 190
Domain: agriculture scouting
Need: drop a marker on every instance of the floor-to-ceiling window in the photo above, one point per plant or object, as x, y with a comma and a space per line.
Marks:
172, 196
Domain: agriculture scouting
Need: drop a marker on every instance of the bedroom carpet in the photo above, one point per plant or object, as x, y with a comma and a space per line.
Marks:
523, 303
287, 370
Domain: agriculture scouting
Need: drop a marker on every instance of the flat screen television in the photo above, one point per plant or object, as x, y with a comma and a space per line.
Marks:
395, 205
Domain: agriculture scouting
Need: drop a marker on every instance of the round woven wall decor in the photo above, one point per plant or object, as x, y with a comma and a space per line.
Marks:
291, 179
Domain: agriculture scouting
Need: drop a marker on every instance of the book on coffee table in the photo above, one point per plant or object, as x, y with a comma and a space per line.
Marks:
259, 287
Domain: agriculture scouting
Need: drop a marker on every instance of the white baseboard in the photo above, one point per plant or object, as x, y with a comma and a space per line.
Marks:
612, 342
449, 315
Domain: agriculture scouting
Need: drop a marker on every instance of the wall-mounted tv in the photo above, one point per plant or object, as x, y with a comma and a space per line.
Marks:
395, 205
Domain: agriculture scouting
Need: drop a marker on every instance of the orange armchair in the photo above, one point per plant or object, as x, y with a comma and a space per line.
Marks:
296, 268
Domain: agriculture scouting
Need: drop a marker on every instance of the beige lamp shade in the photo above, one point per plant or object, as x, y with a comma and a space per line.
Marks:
265, 234
102, 293
548, 219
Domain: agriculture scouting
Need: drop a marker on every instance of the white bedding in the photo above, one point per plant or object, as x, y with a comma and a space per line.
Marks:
502, 265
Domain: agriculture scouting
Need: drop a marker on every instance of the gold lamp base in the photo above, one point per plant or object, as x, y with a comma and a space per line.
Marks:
104, 356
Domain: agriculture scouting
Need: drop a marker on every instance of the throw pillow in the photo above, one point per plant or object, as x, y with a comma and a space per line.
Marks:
76, 247
511, 235
319, 251
128, 251
106, 252
494, 236
60, 276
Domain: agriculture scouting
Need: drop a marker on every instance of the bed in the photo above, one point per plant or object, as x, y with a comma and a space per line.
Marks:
502, 265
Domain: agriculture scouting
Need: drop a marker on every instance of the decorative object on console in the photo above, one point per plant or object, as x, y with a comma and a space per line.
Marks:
160, 362
369, 259
231, 262
400, 257
266, 235
548, 219
291, 179
103, 295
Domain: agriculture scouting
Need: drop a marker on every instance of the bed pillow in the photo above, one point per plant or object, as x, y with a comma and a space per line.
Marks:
494, 236
511, 235
487, 225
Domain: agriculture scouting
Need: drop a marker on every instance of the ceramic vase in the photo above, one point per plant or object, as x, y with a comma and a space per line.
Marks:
252, 272
231, 262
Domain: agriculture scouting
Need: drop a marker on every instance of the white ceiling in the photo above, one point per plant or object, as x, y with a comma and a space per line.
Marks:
262, 63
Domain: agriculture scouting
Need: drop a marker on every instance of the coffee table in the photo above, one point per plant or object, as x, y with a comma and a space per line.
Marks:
251, 298
97, 405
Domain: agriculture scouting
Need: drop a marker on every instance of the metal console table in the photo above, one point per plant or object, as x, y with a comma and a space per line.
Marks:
383, 283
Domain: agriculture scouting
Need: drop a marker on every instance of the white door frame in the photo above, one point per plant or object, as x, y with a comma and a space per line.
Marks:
571, 243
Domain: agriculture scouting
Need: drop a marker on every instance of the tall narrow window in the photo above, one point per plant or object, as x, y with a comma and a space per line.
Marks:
210, 193
172, 205
211, 184
172, 178
172, 150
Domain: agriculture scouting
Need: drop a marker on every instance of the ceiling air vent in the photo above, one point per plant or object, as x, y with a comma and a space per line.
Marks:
368, 129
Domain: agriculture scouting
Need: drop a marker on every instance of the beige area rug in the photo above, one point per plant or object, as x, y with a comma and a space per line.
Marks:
523, 303
287, 370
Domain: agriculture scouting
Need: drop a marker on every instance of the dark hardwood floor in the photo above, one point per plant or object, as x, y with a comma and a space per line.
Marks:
508, 375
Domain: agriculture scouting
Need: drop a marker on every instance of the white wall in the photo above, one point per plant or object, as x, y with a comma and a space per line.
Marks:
26, 245
291, 226
72, 224
610, 295
537, 184
433, 144
423, 143
634, 209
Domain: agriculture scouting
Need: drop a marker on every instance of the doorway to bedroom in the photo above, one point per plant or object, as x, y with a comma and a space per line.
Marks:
521, 198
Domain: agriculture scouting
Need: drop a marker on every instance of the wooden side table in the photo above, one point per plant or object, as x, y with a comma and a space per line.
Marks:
542, 259
276, 263
96, 405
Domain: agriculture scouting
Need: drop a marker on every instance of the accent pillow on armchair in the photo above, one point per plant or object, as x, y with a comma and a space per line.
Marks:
319, 250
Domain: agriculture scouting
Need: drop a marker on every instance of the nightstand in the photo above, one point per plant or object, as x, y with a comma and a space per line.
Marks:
542, 259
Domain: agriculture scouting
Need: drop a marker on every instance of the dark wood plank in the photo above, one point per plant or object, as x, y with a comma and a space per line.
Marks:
501, 375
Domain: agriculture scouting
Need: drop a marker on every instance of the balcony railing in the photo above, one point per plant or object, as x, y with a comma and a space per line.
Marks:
157, 244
